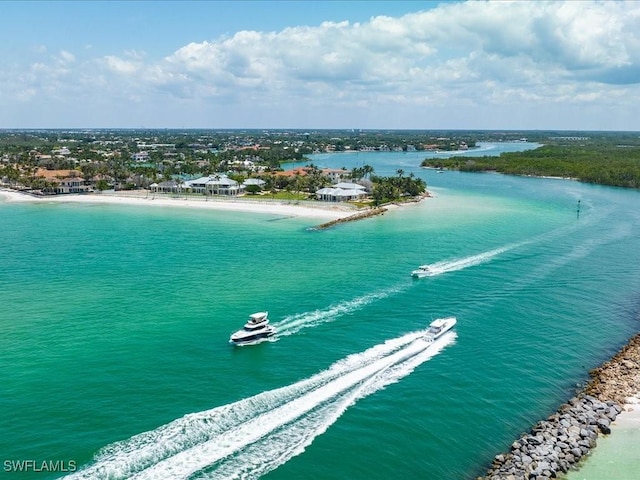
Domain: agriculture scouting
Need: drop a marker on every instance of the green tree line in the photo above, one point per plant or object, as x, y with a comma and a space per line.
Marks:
613, 165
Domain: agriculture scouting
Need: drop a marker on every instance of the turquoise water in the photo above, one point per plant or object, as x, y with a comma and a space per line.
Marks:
114, 323
616, 457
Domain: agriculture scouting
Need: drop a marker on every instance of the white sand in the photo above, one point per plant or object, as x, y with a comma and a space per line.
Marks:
305, 209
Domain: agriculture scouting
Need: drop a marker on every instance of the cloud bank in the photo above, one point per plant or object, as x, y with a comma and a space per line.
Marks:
569, 65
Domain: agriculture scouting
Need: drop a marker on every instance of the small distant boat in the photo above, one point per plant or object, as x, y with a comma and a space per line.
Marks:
439, 327
423, 271
256, 328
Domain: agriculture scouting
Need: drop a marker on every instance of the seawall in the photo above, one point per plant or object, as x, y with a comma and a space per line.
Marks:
558, 443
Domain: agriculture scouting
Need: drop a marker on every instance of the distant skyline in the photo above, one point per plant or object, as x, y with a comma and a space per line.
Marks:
523, 65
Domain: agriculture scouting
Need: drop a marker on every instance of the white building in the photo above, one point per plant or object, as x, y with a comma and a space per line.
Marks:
215, 185
71, 185
140, 156
341, 192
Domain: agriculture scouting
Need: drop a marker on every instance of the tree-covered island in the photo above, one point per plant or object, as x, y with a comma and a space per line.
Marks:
605, 158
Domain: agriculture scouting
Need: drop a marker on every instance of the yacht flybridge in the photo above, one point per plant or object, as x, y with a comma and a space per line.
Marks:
256, 328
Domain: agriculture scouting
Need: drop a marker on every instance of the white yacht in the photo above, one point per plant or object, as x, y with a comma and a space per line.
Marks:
439, 327
423, 271
257, 327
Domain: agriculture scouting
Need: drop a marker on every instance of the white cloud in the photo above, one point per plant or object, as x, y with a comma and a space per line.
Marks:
121, 66
39, 49
65, 57
468, 54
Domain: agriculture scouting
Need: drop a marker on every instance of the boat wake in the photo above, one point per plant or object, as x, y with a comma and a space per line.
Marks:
251, 437
294, 323
447, 266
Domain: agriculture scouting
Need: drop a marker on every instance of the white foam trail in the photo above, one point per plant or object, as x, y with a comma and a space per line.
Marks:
288, 442
279, 423
447, 266
294, 323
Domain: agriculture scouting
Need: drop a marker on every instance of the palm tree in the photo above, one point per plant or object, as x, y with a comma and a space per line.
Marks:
367, 170
179, 185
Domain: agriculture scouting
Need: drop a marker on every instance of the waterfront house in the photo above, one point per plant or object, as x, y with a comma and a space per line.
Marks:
170, 186
215, 185
63, 181
341, 192
70, 185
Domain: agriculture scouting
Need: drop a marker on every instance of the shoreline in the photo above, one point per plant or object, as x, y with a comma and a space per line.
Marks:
616, 456
561, 445
331, 213
276, 207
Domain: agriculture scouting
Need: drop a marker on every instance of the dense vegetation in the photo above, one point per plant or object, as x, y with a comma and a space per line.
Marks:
389, 189
604, 160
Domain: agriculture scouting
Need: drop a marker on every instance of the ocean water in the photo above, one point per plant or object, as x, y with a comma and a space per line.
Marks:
115, 320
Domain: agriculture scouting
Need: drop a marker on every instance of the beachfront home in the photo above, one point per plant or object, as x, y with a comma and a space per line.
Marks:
215, 185
63, 181
70, 185
341, 192
170, 186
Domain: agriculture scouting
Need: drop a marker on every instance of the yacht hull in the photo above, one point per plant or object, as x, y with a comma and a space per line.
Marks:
237, 338
255, 329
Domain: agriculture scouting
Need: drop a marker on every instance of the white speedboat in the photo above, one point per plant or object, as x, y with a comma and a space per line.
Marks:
256, 328
439, 327
423, 271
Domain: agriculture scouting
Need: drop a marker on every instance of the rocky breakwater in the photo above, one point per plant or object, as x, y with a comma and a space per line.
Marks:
357, 216
556, 444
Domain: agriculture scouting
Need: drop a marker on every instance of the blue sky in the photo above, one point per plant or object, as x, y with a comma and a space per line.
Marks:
320, 64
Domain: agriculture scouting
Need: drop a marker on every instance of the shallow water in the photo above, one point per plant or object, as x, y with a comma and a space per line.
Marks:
617, 455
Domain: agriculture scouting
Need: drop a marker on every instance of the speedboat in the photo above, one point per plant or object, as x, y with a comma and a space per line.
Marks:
256, 328
439, 327
423, 271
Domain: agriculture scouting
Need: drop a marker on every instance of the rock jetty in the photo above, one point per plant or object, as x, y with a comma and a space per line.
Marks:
356, 216
380, 210
556, 444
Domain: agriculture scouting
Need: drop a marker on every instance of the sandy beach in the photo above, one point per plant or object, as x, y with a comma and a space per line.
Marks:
309, 209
